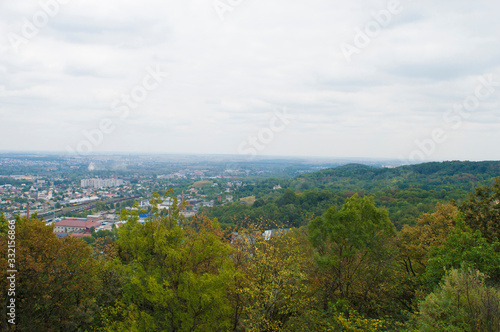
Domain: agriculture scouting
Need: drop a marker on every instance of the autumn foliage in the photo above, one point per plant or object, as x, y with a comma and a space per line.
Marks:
348, 270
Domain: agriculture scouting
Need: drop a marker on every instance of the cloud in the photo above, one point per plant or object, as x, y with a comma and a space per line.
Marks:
226, 78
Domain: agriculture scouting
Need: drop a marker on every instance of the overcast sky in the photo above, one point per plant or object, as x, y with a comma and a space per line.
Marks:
379, 79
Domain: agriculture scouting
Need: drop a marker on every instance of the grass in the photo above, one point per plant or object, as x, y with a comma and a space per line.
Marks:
249, 200
201, 184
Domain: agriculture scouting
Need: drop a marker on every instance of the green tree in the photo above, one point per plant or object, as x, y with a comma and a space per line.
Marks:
272, 283
481, 211
56, 280
462, 302
4, 224
431, 230
100, 206
464, 247
350, 245
289, 197
179, 275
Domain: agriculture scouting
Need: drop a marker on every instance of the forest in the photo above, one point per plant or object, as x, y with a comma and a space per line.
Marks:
353, 249
406, 192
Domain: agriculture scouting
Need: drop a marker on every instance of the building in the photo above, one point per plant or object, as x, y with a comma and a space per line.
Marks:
101, 183
45, 196
268, 234
83, 200
144, 204
167, 204
195, 201
94, 218
74, 225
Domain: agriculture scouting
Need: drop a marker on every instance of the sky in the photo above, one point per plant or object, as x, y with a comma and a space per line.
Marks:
411, 80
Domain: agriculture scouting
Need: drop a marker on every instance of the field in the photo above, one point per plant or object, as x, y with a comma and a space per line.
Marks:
201, 184
249, 200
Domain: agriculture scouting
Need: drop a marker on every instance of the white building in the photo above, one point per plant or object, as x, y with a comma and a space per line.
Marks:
167, 204
101, 183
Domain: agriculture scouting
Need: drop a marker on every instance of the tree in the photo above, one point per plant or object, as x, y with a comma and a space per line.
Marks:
56, 281
4, 224
272, 283
467, 248
350, 245
481, 211
289, 197
179, 275
431, 230
258, 203
462, 302
100, 206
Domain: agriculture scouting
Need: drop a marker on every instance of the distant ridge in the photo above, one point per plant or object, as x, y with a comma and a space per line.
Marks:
433, 175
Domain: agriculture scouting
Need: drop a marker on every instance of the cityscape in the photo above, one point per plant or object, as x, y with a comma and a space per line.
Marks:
249, 166
55, 187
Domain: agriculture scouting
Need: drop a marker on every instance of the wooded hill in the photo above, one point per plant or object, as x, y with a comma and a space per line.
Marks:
347, 269
429, 176
406, 191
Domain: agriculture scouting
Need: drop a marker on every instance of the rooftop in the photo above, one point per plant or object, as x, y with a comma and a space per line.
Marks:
77, 223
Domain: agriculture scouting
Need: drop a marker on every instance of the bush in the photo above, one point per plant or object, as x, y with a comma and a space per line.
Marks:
462, 302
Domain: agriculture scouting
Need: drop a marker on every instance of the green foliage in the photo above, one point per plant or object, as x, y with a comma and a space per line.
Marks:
56, 283
289, 197
482, 211
289, 209
406, 192
351, 251
102, 234
428, 177
431, 230
341, 317
179, 276
467, 248
272, 284
359, 224
4, 224
347, 270
463, 302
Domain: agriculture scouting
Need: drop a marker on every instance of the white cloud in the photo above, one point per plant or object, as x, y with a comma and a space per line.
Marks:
226, 77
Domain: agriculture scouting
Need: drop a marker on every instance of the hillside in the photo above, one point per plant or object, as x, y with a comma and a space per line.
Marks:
427, 176
406, 192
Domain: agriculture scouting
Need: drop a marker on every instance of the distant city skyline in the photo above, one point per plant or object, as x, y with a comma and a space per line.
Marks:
397, 79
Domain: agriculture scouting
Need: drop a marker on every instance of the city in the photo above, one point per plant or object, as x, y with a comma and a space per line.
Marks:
96, 188
263, 166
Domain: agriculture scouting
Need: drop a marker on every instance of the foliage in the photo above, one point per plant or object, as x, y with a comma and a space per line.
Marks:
334, 261
406, 192
467, 248
272, 284
481, 211
106, 235
431, 230
56, 280
289, 209
462, 302
4, 224
341, 317
352, 253
178, 276
427, 176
